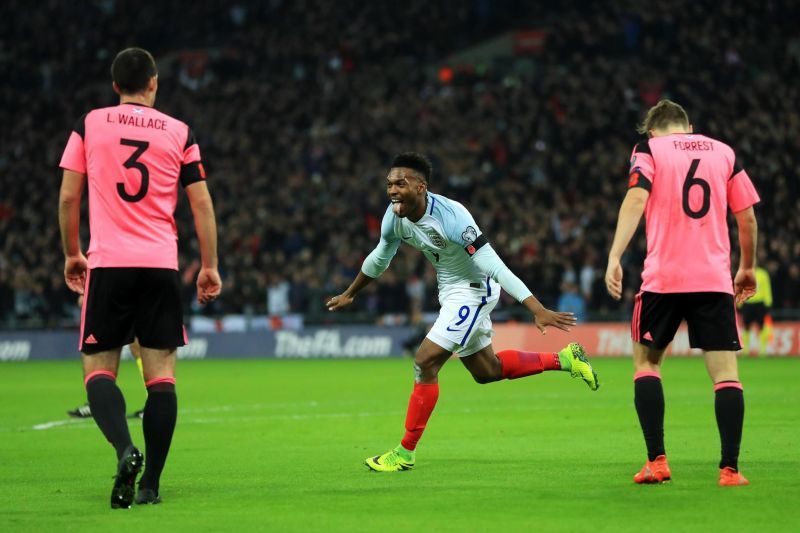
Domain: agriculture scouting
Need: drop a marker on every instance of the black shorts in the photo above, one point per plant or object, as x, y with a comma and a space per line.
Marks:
711, 317
753, 314
122, 303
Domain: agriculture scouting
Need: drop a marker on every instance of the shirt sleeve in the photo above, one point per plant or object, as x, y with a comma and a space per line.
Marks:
460, 228
643, 167
192, 169
74, 156
378, 260
741, 192
487, 260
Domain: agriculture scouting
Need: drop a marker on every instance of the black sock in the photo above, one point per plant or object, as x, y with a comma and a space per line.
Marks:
649, 400
160, 414
108, 409
729, 408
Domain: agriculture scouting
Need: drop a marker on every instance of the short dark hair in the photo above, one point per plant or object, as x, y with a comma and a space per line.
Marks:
661, 115
132, 70
414, 161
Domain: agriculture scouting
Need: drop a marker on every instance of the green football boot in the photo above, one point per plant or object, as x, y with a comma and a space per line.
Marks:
573, 357
395, 460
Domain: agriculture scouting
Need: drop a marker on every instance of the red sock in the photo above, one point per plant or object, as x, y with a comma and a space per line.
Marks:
517, 364
420, 406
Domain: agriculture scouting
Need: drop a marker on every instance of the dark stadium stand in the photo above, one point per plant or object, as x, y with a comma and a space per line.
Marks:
298, 121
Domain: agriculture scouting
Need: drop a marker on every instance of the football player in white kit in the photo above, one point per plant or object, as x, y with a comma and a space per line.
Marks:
470, 275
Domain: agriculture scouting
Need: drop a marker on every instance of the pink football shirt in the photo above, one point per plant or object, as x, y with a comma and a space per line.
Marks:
693, 180
134, 158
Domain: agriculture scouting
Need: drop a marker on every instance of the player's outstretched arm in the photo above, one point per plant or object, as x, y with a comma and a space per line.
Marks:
347, 297
630, 213
209, 284
744, 284
69, 221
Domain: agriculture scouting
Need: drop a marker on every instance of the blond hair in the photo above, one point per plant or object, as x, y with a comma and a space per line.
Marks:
662, 115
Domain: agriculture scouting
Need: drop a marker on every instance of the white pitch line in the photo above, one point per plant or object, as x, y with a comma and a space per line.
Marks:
216, 409
57, 423
85, 423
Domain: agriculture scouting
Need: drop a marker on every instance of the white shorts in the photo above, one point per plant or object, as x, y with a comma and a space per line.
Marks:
464, 325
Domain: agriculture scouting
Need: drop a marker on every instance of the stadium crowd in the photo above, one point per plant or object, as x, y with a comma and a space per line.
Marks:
299, 106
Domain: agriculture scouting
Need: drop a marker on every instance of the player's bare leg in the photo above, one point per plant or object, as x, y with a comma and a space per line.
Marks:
429, 359
649, 401
108, 409
160, 415
484, 365
729, 409
722, 366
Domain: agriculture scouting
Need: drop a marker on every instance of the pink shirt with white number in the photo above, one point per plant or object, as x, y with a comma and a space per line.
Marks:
134, 158
693, 180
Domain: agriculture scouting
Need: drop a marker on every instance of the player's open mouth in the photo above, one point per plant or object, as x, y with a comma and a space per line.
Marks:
397, 205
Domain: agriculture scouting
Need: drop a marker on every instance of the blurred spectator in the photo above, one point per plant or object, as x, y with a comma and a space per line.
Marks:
278, 296
393, 300
571, 301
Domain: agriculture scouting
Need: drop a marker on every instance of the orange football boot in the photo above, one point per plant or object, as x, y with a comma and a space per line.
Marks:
728, 477
655, 471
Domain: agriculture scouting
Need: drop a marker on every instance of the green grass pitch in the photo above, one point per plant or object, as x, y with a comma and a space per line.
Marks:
279, 446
